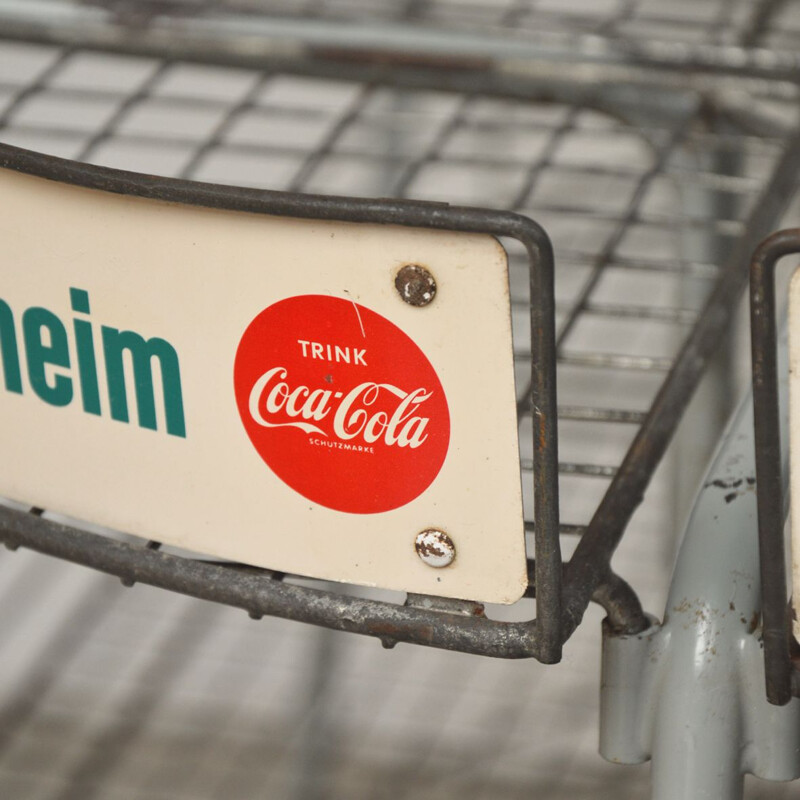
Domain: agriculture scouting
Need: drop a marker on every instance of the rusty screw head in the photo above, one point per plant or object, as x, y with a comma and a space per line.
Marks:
415, 284
435, 548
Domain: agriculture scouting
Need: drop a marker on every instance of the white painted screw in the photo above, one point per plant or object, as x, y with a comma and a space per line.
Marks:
435, 548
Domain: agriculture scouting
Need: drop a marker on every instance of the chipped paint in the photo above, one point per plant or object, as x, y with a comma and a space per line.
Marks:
435, 548
739, 486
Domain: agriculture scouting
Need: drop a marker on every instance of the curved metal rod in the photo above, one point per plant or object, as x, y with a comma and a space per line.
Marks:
261, 595
626, 616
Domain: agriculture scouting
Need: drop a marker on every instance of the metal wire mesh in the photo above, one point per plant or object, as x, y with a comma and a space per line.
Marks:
716, 21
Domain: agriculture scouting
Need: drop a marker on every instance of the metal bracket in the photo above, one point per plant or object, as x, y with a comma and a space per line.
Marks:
689, 693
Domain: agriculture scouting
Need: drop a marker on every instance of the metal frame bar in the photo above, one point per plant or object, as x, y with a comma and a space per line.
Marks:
769, 477
246, 38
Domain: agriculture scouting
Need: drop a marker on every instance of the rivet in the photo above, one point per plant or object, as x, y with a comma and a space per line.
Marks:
435, 548
415, 284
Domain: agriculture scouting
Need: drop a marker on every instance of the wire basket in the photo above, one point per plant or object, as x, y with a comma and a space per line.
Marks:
647, 181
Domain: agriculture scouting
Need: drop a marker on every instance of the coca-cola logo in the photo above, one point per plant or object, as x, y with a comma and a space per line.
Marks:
341, 404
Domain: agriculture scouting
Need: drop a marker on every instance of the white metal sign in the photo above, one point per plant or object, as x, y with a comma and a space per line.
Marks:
326, 399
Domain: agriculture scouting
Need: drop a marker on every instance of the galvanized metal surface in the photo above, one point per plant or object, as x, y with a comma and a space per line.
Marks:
688, 693
260, 594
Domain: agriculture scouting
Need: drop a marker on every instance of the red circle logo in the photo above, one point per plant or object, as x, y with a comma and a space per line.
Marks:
341, 404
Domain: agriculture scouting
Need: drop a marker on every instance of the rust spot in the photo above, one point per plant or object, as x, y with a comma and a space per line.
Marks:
731, 606
435, 548
753, 622
739, 484
388, 633
542, 433
386, 629
415, 285
721, 484
389, 58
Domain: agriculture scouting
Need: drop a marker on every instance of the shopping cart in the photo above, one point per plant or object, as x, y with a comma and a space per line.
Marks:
655, 149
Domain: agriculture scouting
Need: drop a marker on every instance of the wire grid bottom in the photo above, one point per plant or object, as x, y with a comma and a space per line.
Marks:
107, 692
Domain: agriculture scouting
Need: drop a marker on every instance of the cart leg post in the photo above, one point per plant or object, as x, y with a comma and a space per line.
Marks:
690, 693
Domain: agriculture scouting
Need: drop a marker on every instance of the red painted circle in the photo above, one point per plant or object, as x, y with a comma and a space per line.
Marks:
341, 404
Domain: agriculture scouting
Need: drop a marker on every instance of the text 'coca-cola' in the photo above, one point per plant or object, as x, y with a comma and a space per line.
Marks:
341, 404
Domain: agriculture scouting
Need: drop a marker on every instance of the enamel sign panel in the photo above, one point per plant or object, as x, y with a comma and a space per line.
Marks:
258, 389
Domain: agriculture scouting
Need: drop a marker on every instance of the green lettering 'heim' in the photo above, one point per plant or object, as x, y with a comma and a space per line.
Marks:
142, 351
47, 352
